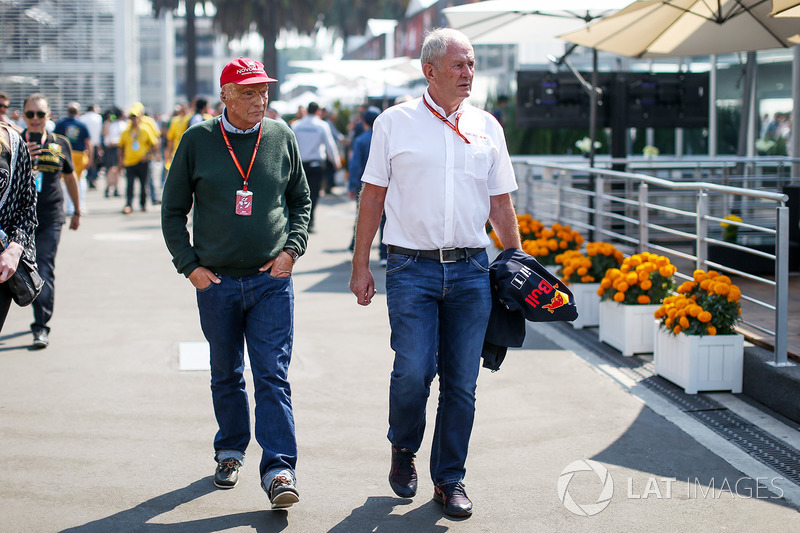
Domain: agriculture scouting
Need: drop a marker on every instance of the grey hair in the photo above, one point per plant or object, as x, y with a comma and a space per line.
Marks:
434, 47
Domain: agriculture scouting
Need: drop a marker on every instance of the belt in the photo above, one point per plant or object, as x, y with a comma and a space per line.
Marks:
445, 255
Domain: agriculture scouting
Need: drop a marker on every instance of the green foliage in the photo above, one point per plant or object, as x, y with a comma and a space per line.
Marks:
350, 17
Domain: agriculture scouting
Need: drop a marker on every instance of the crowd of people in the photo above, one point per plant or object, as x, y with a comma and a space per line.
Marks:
433, 170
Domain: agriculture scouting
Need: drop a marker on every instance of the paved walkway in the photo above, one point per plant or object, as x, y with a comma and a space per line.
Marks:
103, 431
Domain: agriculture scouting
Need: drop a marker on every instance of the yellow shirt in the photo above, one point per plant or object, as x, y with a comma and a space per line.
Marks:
136, 144
149, 122
176, 128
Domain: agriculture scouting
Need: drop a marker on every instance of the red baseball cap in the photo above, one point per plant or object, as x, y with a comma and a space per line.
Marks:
244, 71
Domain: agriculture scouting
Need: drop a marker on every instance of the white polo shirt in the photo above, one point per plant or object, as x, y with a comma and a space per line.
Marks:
438, 186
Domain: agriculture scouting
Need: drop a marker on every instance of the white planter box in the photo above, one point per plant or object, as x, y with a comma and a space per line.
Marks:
628, 328
588, 303
699, 363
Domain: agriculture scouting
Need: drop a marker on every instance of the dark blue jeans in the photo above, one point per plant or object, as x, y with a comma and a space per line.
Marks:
48, 235
258, 310
438, 315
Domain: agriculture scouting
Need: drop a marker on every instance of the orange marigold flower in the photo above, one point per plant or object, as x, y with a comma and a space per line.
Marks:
618, 297
622, 286
601, 291
711, 330
722, 289
643, 299
734, 294
686, 286
605, 283
699, 275
646, 285
676, 330
704, 317
684, 322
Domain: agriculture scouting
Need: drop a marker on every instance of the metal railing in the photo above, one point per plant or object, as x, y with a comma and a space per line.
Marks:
679, 219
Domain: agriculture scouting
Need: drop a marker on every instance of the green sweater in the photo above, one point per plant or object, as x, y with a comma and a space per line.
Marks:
204, 177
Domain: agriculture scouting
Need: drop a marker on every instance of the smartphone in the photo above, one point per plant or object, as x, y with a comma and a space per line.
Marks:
35, 137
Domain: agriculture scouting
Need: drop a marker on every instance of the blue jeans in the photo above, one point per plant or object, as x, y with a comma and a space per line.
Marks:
257, 309
438, 315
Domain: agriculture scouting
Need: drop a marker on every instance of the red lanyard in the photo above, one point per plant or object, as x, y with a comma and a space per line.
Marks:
235, 159
443, 119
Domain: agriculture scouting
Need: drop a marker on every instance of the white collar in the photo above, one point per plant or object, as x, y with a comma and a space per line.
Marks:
233, 129
439, 108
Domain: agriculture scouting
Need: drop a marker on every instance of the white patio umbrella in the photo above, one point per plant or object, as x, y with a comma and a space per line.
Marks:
395, 71
682, 28
525, 21
785, 8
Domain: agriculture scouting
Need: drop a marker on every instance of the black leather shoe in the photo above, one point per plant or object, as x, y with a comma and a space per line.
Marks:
227, 474
403, 475
453, 498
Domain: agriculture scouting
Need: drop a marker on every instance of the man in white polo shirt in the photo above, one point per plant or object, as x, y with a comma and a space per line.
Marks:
440, 169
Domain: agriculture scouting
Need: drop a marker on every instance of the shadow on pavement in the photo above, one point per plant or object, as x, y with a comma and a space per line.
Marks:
674, 455
376, 516
137, 519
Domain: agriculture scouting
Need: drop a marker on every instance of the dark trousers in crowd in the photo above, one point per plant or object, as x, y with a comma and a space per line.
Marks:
139, 171
315, 173
48, 235
330, 177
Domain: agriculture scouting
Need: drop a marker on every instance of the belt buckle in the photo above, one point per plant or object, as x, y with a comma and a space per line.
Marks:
441, 255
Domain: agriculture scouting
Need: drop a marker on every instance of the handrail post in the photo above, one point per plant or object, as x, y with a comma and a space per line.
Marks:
600, 207
644, 218
782, 288
701, 228
561, 183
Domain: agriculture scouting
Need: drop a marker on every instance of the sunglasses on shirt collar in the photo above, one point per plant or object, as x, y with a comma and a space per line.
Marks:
37, 114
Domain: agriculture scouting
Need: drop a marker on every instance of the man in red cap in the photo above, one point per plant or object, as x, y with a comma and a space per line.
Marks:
242, 176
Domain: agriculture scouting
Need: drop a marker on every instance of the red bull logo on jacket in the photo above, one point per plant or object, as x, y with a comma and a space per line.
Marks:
545, 292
